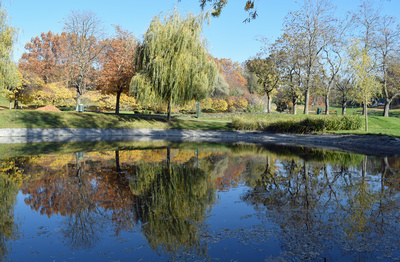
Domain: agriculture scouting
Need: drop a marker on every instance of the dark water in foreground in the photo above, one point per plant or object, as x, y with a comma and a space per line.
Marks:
195, 202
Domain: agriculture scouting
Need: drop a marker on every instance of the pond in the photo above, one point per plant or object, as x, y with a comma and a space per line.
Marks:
165, 201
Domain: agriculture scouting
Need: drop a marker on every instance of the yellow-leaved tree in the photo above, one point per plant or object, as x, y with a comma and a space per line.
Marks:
366, 84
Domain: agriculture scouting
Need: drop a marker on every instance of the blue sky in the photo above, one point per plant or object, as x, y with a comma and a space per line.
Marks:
228, 37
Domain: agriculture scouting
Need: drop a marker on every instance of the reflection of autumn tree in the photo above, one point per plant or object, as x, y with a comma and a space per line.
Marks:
114, 195
85, 222
86, 191
173, 199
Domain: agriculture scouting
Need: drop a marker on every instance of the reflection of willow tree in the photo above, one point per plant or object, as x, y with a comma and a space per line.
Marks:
10, 178
84, 224
173, 199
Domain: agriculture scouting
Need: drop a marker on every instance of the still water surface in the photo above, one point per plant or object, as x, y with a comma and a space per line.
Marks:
195, 202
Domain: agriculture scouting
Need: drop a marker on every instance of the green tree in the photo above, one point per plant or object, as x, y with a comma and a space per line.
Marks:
366, 86
175, 65
267, 75
220, 88
289, 62
8, 70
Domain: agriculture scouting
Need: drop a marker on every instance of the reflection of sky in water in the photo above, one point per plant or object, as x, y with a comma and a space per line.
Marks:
255, 218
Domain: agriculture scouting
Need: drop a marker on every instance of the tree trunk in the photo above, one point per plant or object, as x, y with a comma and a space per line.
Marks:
344, 105
387, 107
366, 116
364, 111
10, 103
268, 102
306, 100
327, 104
294, 105
168, 155
78, 100
15, 104
117, 103
169, 112
117, 163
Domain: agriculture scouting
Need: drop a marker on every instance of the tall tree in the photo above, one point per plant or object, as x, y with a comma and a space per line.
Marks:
267, 75
344, 88
8, 70
174, 62
44, 56
117, 67
366, 19
84, 30
309, 27
289, 63
386, 44
332, 57
366, 86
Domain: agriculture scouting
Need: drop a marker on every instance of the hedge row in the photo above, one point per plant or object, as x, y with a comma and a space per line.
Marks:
301, 126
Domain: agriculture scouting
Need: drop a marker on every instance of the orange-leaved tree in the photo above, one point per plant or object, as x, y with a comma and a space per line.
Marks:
44, 56
117, 64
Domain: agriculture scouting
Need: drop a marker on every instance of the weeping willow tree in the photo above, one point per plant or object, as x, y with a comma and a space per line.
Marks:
8, 70
174, 62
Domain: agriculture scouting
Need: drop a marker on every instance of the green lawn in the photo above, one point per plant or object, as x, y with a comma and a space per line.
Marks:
31, 119
34, 119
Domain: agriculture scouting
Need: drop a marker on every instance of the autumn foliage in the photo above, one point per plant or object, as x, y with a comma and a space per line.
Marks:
45, 56
117, 65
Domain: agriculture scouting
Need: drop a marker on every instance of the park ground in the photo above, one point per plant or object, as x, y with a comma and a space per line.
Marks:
26, 118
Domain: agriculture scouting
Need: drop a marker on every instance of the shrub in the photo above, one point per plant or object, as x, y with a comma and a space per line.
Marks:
206, 103
308, 125
220, 105
282, 105
236, 104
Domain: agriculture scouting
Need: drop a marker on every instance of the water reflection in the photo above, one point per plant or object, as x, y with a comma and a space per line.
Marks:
319, 207
317, 204
173, 200
10, 179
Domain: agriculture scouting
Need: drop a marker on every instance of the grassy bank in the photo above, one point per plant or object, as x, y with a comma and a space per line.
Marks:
34, 119
40, 119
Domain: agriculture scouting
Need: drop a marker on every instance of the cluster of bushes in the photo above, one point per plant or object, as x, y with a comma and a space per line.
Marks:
230, 104
301, 126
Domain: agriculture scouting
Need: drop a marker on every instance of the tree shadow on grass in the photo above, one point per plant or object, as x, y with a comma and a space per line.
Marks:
34, 119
